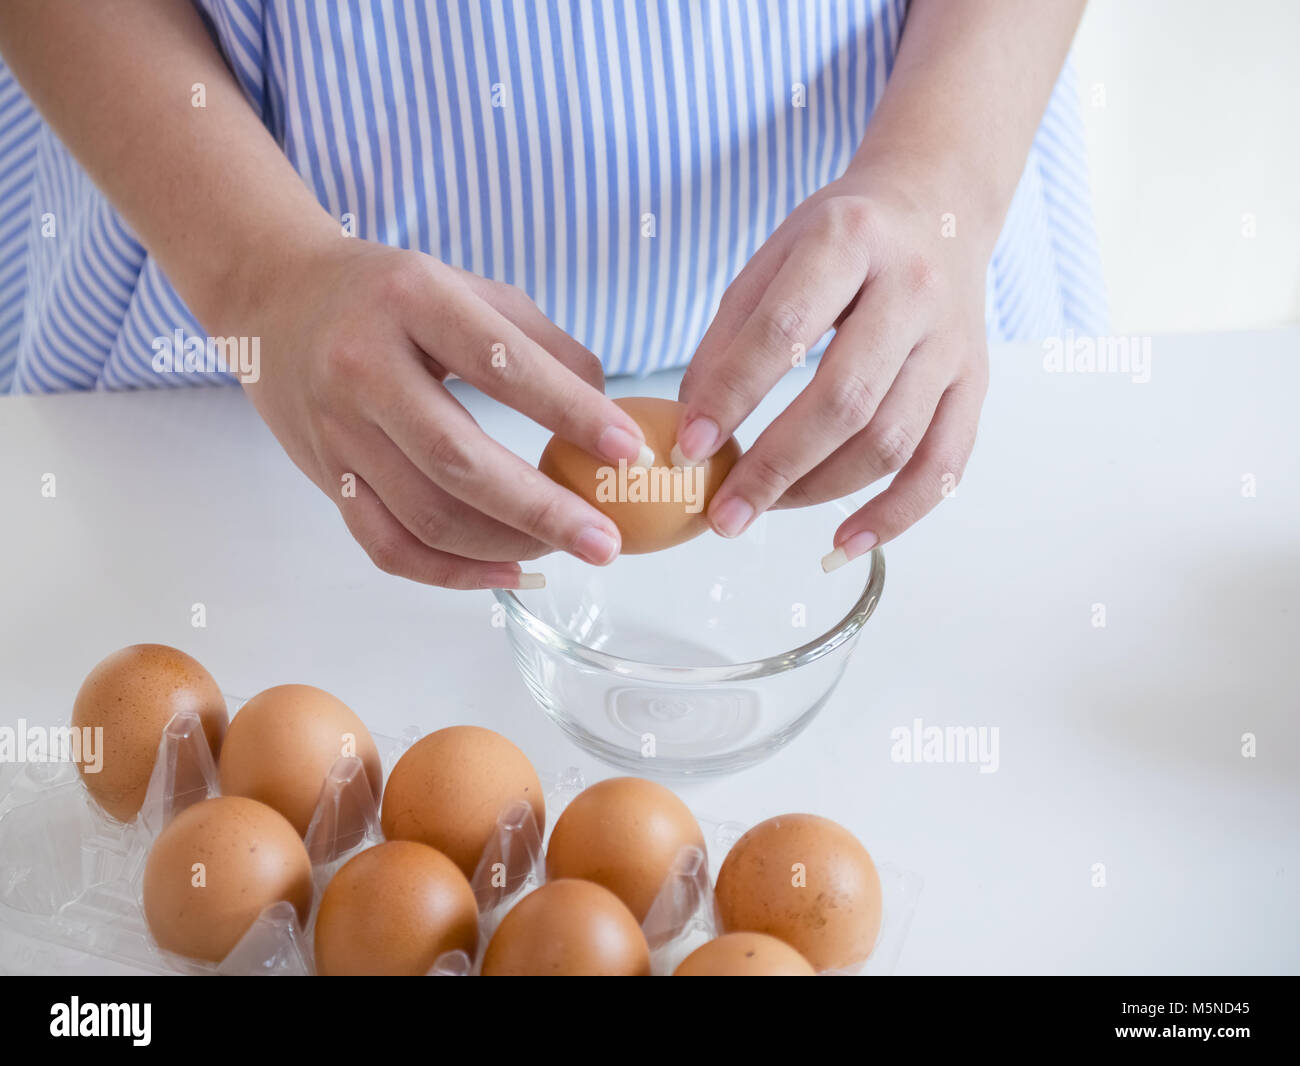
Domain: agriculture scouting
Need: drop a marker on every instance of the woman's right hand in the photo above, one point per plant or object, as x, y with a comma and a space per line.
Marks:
355, 344
355, 338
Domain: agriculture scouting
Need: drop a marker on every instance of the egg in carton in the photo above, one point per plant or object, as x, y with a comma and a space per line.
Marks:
72, 874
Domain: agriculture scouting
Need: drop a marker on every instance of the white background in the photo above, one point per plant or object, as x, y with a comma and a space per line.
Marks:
1200, 126
1119, 745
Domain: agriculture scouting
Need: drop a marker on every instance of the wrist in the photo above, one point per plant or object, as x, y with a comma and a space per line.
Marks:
247, 269
940, 185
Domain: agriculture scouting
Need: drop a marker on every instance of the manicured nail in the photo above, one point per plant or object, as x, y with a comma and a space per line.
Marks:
512, 579
681, 462
732, 516
595, 545
616, 443
697, 439
858, 544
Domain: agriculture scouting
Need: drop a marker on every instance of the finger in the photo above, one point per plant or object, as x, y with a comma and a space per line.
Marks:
890, 438
740, 300
445, 444
516, 305
470, 337
395, 550
930, 476
737, 304
818, 279
434, 516
859, 367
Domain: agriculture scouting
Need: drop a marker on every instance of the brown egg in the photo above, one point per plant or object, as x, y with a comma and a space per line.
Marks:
213, 870
568, 929
807, 881
282, 744
132, 695
392, 910
623, 833
655, 508
448, 788
745, 955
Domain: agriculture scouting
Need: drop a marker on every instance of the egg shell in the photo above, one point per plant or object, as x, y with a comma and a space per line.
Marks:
250, 857
132, 695
568, 929
623, 833
745, 955
449, 787
282, 743
392, 910
832, 918
645, 525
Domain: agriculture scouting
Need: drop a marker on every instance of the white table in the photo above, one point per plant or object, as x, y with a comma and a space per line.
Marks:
1118, 745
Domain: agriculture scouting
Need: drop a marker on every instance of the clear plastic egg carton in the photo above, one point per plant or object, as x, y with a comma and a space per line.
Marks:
71, 876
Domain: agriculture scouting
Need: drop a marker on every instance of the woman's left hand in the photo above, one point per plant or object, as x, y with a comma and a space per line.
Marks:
900, 385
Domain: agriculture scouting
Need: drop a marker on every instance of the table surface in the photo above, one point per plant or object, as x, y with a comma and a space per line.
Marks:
1124, 831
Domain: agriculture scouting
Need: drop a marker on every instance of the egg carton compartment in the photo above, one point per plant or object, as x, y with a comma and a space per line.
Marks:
71, 876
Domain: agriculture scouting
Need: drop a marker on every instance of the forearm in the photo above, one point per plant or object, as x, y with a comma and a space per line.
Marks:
965, 98
207, 190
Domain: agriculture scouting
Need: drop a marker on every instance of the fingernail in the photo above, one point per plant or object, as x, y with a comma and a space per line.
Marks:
697, 439
858, 544
511, 579
616, 443
681, 462
595, 545
732, 516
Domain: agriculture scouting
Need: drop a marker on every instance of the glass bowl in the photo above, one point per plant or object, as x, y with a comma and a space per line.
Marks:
702, 659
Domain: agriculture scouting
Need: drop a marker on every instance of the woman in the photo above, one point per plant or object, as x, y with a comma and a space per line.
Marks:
380, 194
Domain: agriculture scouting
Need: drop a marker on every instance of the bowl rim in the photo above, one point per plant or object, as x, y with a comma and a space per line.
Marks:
843, 631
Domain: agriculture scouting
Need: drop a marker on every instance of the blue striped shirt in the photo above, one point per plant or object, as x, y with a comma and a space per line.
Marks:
620, 161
